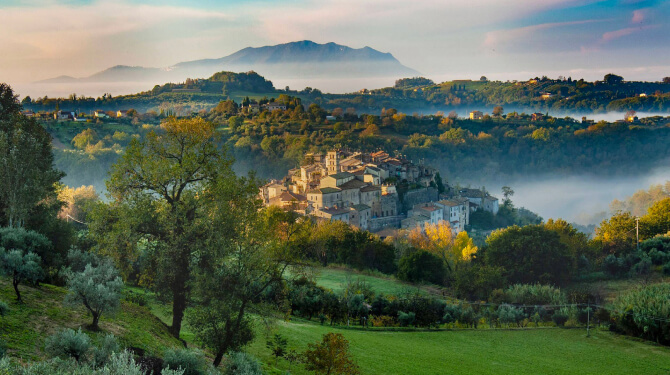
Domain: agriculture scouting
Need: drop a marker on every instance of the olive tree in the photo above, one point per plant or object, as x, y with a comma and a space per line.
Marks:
21, 267
98, 288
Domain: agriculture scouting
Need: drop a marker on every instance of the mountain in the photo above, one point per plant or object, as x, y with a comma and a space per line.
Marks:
304, 59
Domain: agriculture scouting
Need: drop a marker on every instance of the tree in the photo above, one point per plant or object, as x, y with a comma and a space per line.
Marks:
27, 175
613, 79
666, 79
497, 111
330, 356
507, 196
97, 287
657, 219
21, 267
617, 234
422, 266
241, 272
162, 189
529, 254
277, 346
85, 138
9, 103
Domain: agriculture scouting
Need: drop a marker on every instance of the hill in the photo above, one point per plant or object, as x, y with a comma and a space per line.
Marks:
27, 325
296, 59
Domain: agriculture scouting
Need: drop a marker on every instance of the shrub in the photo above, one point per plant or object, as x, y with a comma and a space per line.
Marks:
104, 351
534, 294
560, 317
659, 257
614, 266
643, 267
136, 298
636, 313
4, 308
406, 319
3, 349
452, 313
509, 314
666, 269
240, 363
68, 343
191, 361
382, 321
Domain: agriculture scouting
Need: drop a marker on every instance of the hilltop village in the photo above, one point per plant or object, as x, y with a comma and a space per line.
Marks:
375, 192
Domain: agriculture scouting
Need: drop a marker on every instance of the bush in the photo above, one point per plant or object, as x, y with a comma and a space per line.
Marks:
452, 313
68, 343
3, 349
4, 308
382, 321
635, 313
509, 314
560, 317
136, 298
534, 294
659, 257
240, 363
614, 266
191, 361
643, 267
666, 269
119, 364
406, 319
107, 348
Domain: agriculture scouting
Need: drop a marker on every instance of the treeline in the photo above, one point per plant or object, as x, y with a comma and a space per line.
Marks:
561, 95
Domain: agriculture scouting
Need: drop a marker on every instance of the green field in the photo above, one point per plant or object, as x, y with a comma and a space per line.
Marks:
524, 351
336, 279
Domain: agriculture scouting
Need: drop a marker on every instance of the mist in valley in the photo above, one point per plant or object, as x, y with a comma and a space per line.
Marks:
582, 199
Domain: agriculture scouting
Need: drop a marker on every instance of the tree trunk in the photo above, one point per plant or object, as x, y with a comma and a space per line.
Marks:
178, 307
15, 282
96, 319
218, 358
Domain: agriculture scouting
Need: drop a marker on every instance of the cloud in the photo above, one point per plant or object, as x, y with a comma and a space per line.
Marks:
616, 34
518, 35
638, 16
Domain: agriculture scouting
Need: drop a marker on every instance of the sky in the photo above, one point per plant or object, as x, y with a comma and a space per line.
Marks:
442, 39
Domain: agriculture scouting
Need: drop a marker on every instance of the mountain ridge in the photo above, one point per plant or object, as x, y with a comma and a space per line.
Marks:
295, 59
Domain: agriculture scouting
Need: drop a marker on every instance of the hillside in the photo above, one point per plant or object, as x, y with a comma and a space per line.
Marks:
27, 325
296, 59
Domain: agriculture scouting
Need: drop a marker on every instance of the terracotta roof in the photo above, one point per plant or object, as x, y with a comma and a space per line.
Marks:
287, 196
449, 203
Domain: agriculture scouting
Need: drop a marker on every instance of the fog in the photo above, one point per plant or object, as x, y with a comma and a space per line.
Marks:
580, 199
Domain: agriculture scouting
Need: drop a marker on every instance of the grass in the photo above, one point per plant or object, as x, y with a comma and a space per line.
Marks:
336, 279
527, 351
42, 314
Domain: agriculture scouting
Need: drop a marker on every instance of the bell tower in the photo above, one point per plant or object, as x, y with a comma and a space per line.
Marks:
333, 162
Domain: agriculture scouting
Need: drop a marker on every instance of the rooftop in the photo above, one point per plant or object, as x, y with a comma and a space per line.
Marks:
341, 175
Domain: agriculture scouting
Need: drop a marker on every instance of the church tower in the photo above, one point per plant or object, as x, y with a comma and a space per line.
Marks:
333, 162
